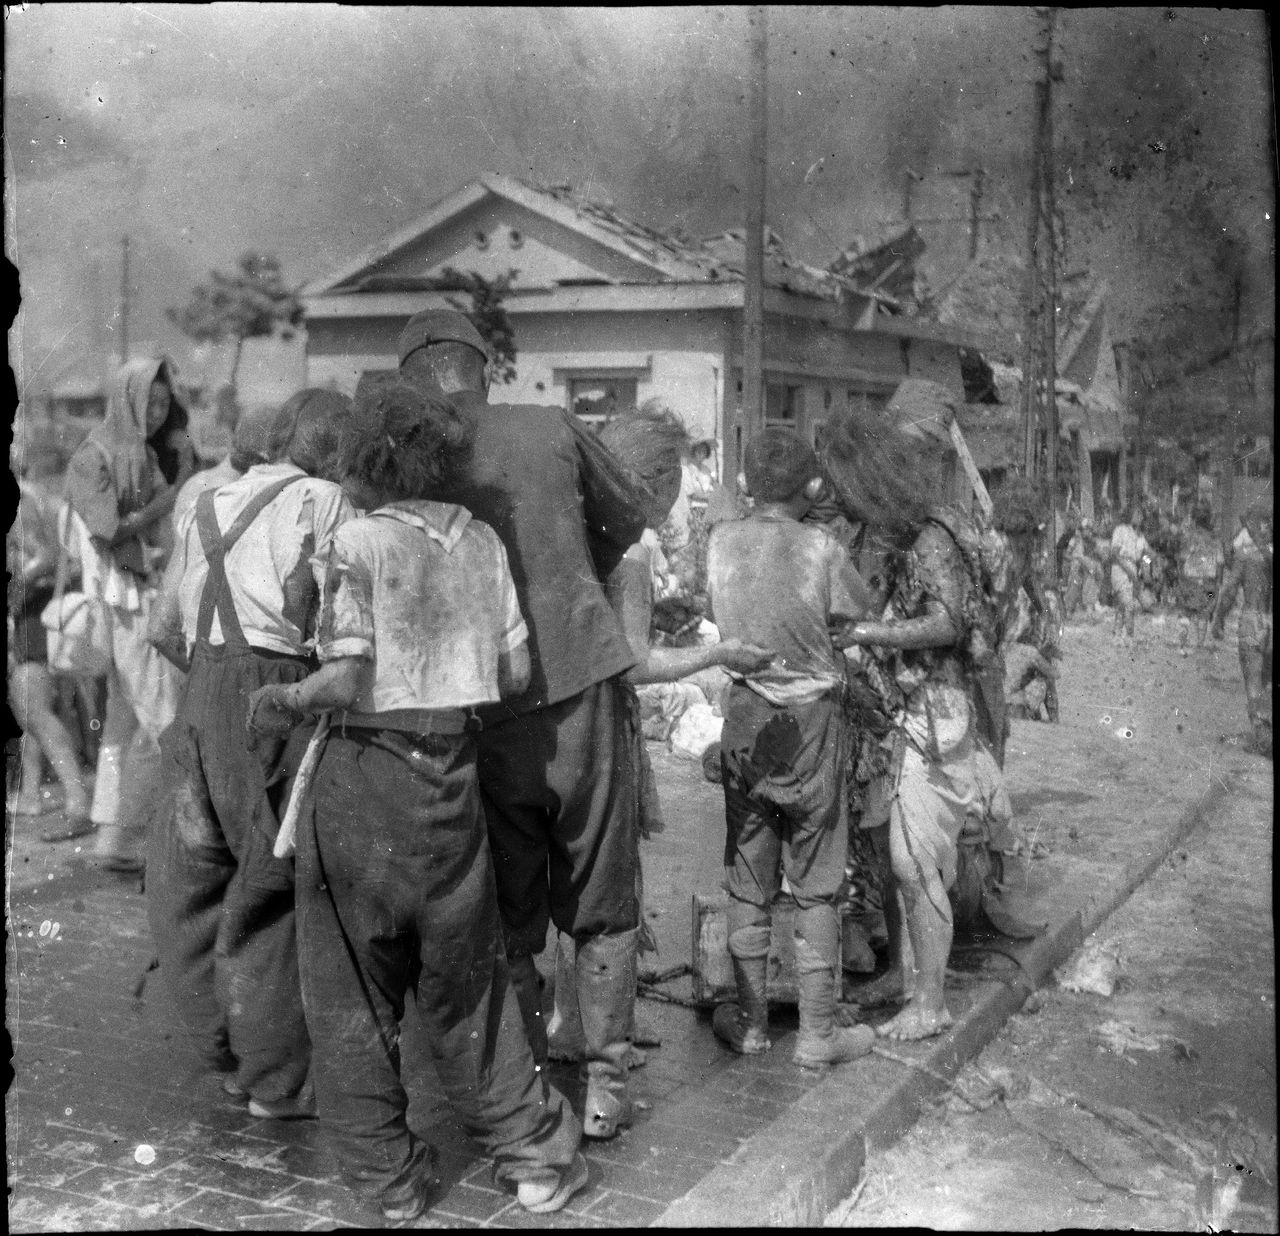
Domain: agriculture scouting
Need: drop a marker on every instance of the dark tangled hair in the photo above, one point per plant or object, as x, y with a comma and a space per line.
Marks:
404, 442
876, 472
1018, 506
651, 443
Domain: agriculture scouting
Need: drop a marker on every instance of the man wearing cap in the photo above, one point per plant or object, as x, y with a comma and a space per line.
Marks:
558, 785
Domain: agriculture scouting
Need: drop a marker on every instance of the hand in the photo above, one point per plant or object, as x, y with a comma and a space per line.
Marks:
843, 634
271, 714
743, 658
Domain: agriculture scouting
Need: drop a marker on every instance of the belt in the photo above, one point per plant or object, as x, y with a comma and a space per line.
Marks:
412, 720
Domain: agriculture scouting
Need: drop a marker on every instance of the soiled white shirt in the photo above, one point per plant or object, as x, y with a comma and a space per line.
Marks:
425, 593
276, 569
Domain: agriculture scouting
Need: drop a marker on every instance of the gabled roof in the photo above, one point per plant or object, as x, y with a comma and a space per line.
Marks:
888, 264
655, 257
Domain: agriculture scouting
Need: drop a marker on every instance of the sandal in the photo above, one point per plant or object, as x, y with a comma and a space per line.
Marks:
76, 826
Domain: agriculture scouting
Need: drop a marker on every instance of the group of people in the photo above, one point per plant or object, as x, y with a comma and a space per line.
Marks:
1205, 584
390, 671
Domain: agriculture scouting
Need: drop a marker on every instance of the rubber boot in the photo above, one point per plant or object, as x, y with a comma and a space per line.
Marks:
526, 982
564, 1030
745, 1026
606, 972
820, 1041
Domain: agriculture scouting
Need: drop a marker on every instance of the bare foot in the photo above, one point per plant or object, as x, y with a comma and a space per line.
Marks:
879, 992
915, 1023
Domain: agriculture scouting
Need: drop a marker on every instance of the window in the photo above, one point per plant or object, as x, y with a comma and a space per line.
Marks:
818, 432
594, 400
783, 404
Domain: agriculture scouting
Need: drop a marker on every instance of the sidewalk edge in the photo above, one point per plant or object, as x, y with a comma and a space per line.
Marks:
793, 1173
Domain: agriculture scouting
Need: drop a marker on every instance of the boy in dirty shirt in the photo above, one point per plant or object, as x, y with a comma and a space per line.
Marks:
777, 583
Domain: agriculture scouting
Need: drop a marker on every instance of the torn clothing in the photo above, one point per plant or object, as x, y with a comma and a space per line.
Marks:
561, 793
928, 812
396, 894
785, 801
778, 583
424, 593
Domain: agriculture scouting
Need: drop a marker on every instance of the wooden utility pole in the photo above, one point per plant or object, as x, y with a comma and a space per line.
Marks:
124, 300
751, 417
1228, 448
1050, 323
1031, 320
1039, 369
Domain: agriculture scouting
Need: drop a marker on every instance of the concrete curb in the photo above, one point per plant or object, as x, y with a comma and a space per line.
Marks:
793, 1173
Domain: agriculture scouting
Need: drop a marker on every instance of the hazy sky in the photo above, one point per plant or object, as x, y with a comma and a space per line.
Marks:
310, 131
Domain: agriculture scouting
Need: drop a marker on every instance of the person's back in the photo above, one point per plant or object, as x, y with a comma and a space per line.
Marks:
777, 583
784, 748
524, 481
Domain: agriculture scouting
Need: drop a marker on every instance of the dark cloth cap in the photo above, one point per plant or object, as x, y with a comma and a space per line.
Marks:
440, 326
777, 463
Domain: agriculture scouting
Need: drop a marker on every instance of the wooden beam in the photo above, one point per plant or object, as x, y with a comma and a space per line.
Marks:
970, 468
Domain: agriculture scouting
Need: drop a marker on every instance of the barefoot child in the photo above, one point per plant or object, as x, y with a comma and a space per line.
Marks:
779, 584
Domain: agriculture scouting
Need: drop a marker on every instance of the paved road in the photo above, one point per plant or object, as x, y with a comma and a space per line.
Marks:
1152, 1108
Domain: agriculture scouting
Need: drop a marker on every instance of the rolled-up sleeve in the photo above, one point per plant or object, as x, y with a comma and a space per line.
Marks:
345, 626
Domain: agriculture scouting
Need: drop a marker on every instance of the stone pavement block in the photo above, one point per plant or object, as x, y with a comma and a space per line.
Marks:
35, 1208
660, 1186
701, 1145
623, 1208
229, 1176
334, 1202
517, 1216
56, 1166
149, 1196
468, 1202
227, 1212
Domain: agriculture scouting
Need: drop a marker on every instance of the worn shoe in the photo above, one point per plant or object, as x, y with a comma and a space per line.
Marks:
232, 1087
541, 1197
300, 1106
845, 1043
412, 1207
732, 1026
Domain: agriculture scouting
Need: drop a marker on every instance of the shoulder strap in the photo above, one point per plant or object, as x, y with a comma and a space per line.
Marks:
216, 595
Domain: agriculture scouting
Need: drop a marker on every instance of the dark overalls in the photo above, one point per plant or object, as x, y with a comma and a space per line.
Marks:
221, 905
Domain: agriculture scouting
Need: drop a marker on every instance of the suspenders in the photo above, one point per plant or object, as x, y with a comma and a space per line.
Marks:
216, 595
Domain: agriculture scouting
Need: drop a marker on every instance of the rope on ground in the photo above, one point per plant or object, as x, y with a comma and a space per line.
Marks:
647, 986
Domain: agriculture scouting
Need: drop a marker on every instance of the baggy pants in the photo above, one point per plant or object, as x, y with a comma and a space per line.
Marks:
561, 792
221, 905
396, 893
1255, 668
786, 810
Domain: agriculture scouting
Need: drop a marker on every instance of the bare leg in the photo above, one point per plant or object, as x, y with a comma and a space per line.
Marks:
31, 697
928, 914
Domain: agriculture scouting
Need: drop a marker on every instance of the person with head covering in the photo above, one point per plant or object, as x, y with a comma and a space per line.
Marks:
420, 627
781, 584
1250, 575
238, 611
122, 482
558, 785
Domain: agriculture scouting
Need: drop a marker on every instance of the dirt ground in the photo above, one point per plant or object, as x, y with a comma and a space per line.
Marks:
1153, 1107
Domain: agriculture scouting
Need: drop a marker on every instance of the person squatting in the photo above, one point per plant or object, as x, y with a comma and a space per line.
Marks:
408, 632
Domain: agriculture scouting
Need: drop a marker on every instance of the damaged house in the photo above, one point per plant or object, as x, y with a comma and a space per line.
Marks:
607, 312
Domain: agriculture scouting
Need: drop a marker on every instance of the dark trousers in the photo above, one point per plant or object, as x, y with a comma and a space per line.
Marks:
396, 893
785, 803
220, 905
561, 793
